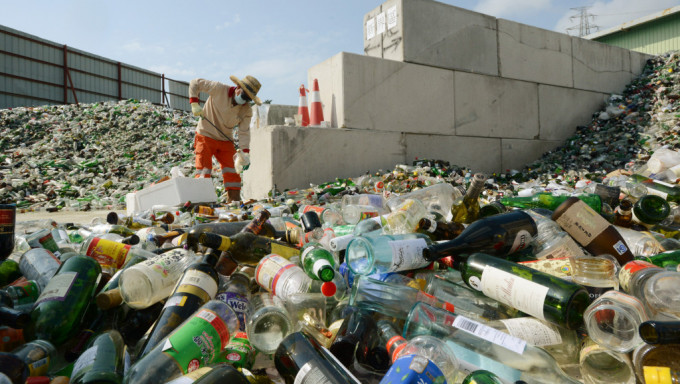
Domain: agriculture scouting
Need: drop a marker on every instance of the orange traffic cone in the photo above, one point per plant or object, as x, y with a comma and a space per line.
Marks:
303, 110
316, 112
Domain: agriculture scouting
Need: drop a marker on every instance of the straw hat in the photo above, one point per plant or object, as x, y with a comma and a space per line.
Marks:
250, 85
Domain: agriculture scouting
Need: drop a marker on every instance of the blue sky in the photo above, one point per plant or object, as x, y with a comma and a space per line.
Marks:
275, 41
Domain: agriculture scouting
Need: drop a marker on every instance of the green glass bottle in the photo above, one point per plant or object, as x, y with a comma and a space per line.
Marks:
651, 209
317, 262
669, 192
536, 293
550, 201
196, 287
669, 260
103, 362
482, 377
59, 310
660, 332
247, 248
9, 271
465, 209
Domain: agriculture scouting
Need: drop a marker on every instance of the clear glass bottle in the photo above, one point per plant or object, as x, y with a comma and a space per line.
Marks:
436, 198
424, 358
600, 365
387, 253
613, 319
38, 264
597, 274
405, 217
269, 322
549, 201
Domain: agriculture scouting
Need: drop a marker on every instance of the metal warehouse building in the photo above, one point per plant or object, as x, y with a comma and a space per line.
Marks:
653, 34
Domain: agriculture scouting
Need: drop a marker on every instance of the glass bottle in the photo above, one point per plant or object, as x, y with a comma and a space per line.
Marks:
248, 248
660, 332
367, 199
111, 255
197, 286
219, 228
536, 293
222, 373
436, 198
10, 270
13, 318
613, 319
482, 377
58, 311
660, 375
423, 359
268, 323
256, 225
301, 359
390, 299
596, 274
7, 225
21, 295
623, 214
353, 213
550, 201
387, 253
235, 291
465, 209
667, 191
498, 235
439, 230
30, 359
317, 262
591, 230
664, 355
102, 362
353, 328
153, 280
40, 265
661, 295
192, 345
132, 324
493, 208
651, 209
405, 217
668, 260
600, 365
480, 347
281, 277
239, 353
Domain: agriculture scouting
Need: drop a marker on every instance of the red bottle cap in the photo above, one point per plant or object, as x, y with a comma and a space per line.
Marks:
328, 288
38, 380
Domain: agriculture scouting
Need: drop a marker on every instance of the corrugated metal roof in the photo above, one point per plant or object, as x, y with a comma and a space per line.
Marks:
634, 23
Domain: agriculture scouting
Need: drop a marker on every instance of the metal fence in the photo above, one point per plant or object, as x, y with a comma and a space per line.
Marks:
35, 71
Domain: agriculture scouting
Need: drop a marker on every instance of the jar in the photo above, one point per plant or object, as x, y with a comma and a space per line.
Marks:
596, 274
613, 319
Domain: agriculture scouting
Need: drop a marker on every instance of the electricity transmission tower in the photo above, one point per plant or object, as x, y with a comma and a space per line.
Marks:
585, 27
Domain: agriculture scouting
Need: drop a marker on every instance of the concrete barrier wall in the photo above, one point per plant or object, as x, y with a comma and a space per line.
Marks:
443, 82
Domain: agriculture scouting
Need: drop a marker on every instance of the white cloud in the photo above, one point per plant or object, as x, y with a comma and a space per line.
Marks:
508, 9
607, 14
135, 46
234, 20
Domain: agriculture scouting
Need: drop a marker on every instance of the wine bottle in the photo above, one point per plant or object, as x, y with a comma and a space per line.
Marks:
591, 230
257, 224
194, 344
387, 253
536, 293
352, 329
247, 248
623, 214
660, 332
30, 359
9, 271
498, 235
465, 209
13, 317
21, 295
132, 324
223, 373
224, 229
439, 230
667, 191
59, 310
482, 377
651, 209
300, 359
550, 201
8, 214
102, 362
196, 287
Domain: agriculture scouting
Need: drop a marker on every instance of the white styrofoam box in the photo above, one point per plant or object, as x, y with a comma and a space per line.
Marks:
175, 191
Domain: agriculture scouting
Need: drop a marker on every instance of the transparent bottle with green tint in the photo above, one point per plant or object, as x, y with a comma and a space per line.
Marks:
317, 262
550, 201
668, 191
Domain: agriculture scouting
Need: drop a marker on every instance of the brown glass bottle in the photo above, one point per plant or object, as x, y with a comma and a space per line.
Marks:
623, 214
257, 224
591, 230
439, 230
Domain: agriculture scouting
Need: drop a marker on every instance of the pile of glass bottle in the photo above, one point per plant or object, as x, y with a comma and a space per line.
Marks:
360, 280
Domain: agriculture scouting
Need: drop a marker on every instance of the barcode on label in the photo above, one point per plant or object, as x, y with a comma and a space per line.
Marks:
206, 315
490, 334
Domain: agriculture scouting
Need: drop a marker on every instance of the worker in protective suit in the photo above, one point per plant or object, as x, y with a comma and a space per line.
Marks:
227, 107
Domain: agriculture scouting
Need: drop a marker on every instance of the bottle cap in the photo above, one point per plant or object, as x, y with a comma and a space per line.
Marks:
328, 288
657, 375
240, 335
109, 299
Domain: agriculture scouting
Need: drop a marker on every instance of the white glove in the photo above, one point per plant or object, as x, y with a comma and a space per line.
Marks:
196, 109
241, 161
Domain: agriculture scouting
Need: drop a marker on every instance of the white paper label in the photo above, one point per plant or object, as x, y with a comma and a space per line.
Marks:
86, 359
490, 334
533, 331
392, 17
58, 287
407, 254
380, 23
370, 29
309, 373
514, 291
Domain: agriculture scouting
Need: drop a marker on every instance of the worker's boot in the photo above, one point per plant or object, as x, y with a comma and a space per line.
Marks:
233, 195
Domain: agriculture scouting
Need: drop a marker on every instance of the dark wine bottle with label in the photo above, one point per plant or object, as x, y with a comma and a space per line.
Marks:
197, 286
498, 235
7, 224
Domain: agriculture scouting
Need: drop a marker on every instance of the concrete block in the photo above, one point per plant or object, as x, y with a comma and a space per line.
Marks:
534, 54
388, 95
518, 153
294, 157
372, 40
431, 33
600, 67
638, 60
491, 106
563, 109
272, 114
329, 74
478, 153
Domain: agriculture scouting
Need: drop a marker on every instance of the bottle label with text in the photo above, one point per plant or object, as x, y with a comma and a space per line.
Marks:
525, 295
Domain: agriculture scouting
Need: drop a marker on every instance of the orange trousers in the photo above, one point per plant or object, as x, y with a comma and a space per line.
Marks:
205, 148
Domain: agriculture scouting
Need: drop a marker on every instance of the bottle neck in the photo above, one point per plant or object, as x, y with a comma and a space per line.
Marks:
476, 186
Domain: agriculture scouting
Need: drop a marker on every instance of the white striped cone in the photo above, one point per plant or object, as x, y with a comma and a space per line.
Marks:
303, 110
316, 110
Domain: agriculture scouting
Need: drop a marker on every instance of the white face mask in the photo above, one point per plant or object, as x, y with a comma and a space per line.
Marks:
239, 99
